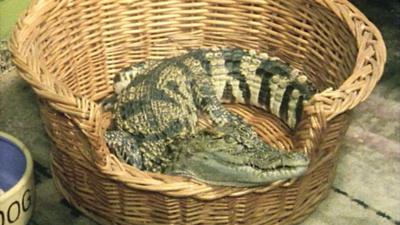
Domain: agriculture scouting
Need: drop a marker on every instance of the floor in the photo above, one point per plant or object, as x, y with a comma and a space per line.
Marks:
366, 190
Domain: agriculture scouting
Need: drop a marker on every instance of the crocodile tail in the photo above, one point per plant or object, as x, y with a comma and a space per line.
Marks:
241, 76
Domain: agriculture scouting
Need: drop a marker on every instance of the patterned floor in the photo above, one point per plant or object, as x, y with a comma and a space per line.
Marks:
366, 187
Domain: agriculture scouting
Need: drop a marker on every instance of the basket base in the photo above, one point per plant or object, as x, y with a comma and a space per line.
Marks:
296, 200
288, 219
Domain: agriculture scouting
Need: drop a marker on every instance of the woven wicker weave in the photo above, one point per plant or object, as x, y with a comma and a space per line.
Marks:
68, 51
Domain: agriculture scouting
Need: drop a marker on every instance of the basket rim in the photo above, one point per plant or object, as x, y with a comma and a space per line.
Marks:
322, 108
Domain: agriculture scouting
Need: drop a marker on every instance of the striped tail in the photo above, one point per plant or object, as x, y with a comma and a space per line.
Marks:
245, 77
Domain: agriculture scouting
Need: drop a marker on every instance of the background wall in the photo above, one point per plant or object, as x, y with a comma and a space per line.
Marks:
9, 13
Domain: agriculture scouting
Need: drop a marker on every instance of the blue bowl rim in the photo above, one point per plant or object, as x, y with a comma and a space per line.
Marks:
28, 169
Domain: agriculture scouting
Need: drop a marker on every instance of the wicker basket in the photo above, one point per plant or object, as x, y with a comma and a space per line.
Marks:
68, 50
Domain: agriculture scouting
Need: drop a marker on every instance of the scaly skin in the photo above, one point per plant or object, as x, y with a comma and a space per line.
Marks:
229, 156
161, 100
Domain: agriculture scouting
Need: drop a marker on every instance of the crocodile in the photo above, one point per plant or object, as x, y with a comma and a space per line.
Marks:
157, 102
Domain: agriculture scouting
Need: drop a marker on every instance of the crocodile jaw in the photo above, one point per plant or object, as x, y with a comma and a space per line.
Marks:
211, 168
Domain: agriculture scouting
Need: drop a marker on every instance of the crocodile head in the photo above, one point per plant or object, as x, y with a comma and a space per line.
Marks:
229, 158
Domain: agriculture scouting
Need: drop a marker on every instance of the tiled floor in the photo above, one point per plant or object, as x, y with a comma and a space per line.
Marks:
366, 190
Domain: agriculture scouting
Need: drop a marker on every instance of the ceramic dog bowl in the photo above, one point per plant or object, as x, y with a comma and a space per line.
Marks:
16, 180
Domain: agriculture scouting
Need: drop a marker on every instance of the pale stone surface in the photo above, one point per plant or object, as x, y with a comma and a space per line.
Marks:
338, 210
370, 168
52, 209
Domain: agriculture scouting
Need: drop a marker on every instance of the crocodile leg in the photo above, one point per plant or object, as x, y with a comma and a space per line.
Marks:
124, 147
205, 97
208, 102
